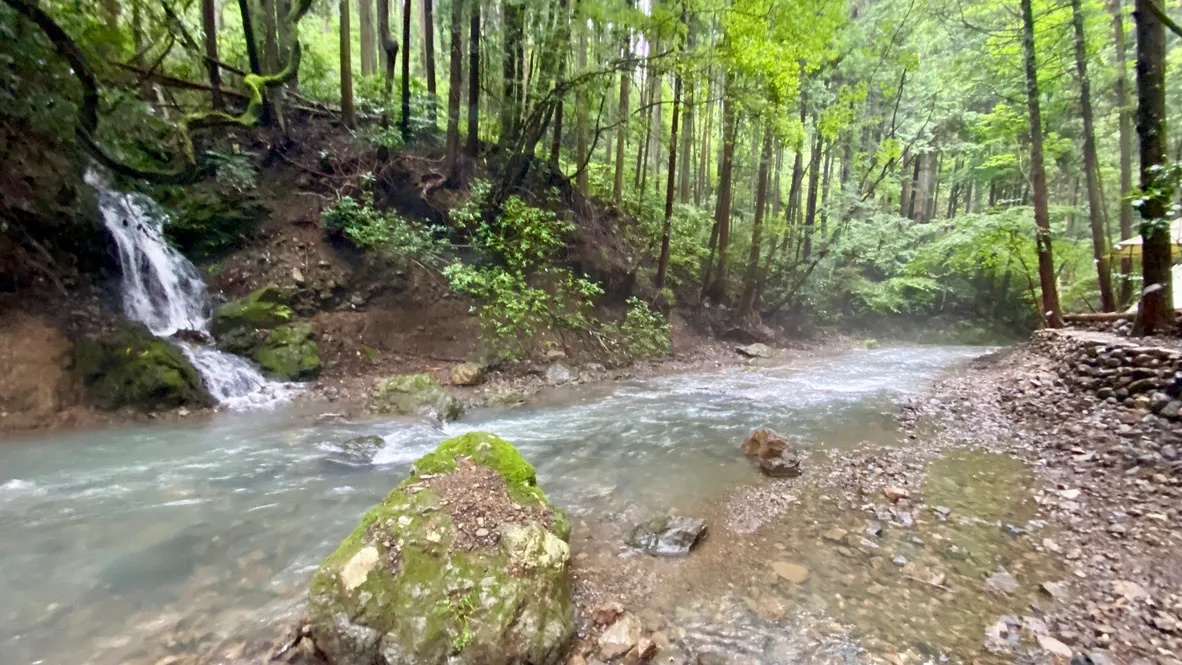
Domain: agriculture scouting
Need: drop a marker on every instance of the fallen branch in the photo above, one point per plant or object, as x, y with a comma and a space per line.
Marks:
1104, 316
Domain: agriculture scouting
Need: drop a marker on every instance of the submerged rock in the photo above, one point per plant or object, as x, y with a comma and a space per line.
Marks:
668, 535
289, 353
357, 451
414, 394
756, 350
131, 367
621, 636
413, 584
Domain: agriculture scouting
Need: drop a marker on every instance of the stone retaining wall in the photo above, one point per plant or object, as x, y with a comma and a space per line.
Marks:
1116, 370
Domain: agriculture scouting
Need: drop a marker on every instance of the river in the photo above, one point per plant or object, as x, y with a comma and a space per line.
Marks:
119, 545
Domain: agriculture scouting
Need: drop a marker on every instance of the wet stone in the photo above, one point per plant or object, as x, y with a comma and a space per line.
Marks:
668, 536
1000, 582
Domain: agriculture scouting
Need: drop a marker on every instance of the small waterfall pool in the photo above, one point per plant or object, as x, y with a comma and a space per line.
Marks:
163, 290
121, 546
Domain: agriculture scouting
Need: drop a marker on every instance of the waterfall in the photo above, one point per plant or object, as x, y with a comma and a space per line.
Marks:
163, 290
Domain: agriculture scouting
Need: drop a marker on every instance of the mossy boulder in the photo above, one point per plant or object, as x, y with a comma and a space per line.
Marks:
465, 562
414, 394
131, 367
289, 353
263, 309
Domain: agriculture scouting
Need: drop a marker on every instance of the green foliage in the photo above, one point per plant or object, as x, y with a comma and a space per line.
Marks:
644, 333
371, 229
205, 223
516, 283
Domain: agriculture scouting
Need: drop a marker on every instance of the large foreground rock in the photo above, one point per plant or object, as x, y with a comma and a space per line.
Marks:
774, 452
289, 353
263, 309
465, 562
131, 367
414, 395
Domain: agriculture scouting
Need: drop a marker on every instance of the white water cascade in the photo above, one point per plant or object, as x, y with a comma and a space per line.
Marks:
163, 290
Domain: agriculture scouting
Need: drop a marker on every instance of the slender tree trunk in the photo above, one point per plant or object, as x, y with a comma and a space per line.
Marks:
701, 187
1125, 138
825, 188
271, 52
369, 53
429, 43
1038, 177
348, 115
564, 26
252, 49
581, 102
663, 262
905, 188
390, 49
913, 194
1156, 312
455, 81
474, 80
209, 27
687, 136
722, 211
642, 149
407, 8
810, 215
622, 130
746, 314
513, 19
1091, 172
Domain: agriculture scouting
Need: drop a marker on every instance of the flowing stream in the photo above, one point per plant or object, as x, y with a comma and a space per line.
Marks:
125, 545
163, 290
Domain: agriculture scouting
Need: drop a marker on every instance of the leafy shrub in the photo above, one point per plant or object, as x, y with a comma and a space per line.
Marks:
644, 333
371, 229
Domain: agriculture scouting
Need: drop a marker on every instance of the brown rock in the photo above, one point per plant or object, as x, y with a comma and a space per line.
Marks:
620, 637
793, 572
895, 493
764, 444
606, 613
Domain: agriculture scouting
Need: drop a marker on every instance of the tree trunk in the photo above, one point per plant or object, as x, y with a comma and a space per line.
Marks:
746, 314
512, 11
581, 102
209, 27
369, 53
252, 49
913, 193
687, 136
474, 80
663, 262
622, 129
701, 187
722, 211
455, 81
1155, 314
390, 49
407, 8
564, 21
905, 187
825, 188
271, 52
1091, 172
429, 44
811, 207
1038, 178
1125, 138
348, 116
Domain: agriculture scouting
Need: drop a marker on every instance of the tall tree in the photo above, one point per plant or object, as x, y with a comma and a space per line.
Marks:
1156, 312
474, 80
369, 52
563, 39
512, 12
429, 45
581, 103
722, 211
406, 20
747, 312
622, 130
1091, 170
810, 215
348, 115
209, 27
1038, 177
667, 226
455, 82
390, 51
1125, 139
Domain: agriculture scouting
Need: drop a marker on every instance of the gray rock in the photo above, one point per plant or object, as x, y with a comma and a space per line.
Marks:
620, 637
874, 529
669, 536
558, 373
467, 374
756, 350
1000, 582
356, 451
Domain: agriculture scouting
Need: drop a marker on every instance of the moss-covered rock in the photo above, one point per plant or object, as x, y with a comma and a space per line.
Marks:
414, 394
133, 368
410, 586
208, 222
289, 353
263, 309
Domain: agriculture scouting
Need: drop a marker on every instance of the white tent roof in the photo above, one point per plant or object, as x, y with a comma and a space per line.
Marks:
1133, 245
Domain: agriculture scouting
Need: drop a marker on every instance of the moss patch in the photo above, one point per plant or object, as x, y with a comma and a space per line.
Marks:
430, 600
289, 353
133, 368
263, 309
